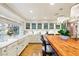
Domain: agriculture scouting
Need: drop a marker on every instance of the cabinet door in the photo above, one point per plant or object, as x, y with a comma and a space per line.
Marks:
18, 49
77, 29
4, 51
19, 46
32, 39
0, 51
26, 40
11, 49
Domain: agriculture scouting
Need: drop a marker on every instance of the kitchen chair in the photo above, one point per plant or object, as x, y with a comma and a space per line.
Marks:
46, 49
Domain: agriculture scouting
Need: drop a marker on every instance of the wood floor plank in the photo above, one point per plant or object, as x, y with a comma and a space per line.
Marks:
32, 49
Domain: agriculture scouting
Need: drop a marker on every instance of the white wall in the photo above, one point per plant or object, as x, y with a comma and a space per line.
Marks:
9, 14
75, 11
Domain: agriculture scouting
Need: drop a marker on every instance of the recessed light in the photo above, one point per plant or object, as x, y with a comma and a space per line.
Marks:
45, 17
34, 17
51, 3
31, 11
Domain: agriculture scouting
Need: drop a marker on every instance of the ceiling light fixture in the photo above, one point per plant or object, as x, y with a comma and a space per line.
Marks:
31, 11
45, 17
51, 3
34, 17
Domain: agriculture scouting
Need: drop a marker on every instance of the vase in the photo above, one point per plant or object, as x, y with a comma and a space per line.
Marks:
64, 37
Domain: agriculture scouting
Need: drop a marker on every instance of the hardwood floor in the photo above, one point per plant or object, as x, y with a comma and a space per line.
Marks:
32, 50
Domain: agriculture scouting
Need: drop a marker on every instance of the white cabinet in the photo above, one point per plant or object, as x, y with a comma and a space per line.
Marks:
20, 46
77, 30
14, 48
35, 38
4, 51
38, 38
0, 52
32, 39
11, 49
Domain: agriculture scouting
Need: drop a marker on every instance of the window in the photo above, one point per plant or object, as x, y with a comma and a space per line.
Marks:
45, 25
27, 25
33, 25
57, 26
39, 26
16, 29
51, 26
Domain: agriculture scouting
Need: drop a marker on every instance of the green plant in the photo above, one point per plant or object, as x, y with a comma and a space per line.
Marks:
10, 32
64, 31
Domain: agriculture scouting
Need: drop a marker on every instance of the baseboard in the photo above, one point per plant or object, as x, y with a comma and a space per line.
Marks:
22, 50
35, 43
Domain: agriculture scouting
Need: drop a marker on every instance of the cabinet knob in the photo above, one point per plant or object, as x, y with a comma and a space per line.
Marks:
4, 50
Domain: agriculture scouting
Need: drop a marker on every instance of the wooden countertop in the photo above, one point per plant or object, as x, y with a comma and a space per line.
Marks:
68, 47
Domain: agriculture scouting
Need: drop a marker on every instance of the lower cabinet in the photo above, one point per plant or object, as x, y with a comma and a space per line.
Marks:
15, 48
4, 51
35, 38
11, 49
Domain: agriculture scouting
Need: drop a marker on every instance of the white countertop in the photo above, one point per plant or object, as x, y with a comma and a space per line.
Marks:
11, 40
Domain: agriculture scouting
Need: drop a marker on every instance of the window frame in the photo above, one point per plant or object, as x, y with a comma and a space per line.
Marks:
38, 27
28, 26
33, 25
50, 26
57, 26
46, 25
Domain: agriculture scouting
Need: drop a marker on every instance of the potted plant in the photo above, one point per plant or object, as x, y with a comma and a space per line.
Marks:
10, 32
64, 33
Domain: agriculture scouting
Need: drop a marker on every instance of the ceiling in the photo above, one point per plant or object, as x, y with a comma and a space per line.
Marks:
40, 11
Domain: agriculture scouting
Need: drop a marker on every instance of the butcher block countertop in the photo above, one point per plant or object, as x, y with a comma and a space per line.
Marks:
68, 47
